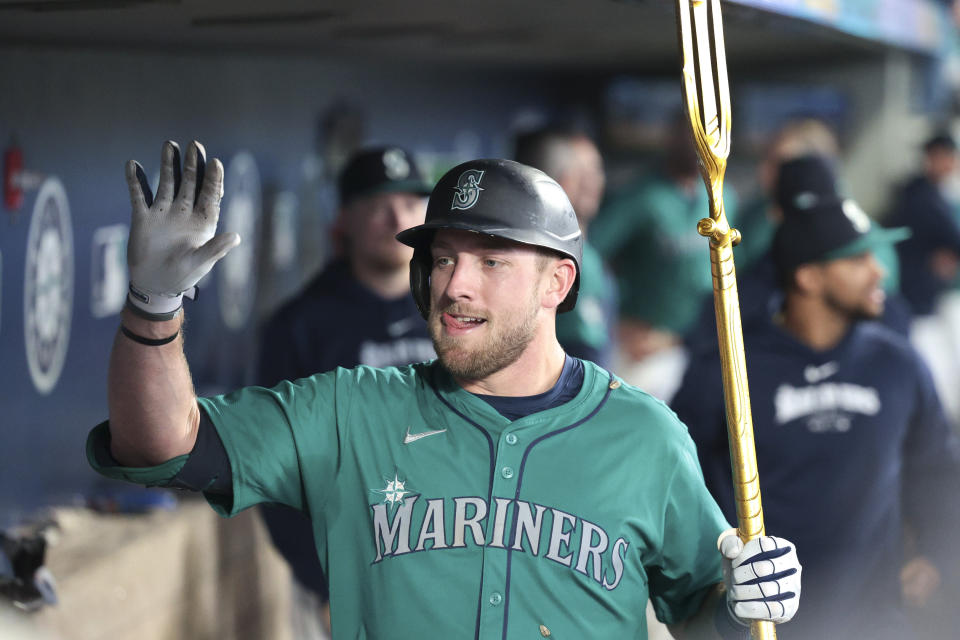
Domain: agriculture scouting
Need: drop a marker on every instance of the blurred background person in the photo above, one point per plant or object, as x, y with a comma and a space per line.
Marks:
339, 132
814, 145
851, 438
357, 311
648, 234
760, 213
930, 259
800, 184
799, 168
572, 159
930, 262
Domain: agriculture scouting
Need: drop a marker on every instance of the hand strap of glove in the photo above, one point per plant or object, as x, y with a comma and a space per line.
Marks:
157, 308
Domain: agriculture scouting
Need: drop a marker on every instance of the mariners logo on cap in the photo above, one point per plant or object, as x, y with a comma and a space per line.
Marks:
468, 189
806, 200
395, 164
856, 216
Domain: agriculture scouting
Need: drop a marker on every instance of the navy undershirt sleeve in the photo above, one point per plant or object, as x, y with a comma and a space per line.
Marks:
208, 467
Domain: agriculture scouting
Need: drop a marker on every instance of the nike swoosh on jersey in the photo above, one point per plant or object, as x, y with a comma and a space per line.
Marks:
400, 327
413, 437
816, 374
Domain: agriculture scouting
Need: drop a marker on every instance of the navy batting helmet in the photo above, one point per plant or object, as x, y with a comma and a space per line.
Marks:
500, 198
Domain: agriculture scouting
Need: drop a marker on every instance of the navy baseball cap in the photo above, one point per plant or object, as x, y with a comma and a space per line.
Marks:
833, 228
804, 182
381, 170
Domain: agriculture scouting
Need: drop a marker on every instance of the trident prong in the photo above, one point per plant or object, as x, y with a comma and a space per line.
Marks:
707, 95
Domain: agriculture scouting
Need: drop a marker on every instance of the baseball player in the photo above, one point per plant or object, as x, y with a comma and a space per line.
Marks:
382, 192
850, 435
503, 490
798, 184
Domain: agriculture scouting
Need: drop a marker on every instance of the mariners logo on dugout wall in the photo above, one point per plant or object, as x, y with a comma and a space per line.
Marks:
48, 286
468, 189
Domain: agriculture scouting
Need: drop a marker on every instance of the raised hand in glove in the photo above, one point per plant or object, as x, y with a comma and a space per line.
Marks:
172, 243
762, 578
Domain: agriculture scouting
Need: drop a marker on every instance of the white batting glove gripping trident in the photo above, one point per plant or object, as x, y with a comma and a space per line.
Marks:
172, 243
762, 578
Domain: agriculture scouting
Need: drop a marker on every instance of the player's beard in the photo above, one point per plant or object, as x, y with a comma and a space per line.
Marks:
502, 345
854, 310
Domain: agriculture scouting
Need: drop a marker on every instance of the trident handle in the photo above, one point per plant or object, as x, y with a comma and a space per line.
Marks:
707, 100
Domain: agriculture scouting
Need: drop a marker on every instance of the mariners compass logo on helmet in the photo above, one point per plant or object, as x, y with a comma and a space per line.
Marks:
468, 189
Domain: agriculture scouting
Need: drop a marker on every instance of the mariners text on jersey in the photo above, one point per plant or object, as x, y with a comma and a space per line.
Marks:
536, 529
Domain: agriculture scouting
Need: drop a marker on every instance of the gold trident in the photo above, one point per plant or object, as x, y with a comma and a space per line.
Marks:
707, 100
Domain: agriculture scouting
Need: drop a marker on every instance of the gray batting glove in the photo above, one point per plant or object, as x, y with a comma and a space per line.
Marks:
172, 243
762, 578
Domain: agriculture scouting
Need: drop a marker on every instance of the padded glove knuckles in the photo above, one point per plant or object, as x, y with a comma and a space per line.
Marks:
762, 578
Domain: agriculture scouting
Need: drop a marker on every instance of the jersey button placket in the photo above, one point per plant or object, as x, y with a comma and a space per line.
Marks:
507, 464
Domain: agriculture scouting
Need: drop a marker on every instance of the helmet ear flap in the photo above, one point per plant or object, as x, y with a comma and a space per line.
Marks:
420, 281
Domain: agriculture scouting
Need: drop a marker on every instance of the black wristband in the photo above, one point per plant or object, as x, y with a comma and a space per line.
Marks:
150, 342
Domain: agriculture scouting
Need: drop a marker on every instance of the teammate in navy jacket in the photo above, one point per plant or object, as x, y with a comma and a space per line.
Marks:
850, 435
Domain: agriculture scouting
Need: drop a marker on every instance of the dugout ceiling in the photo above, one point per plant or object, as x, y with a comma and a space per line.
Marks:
636, 35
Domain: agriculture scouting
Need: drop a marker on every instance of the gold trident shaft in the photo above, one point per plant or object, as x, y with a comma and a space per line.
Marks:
707, 99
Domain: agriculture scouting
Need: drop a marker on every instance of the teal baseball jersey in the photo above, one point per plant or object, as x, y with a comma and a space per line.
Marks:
436, 517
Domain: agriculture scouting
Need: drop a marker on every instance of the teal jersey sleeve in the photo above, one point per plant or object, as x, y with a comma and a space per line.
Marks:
689, 564
676, 522
272, 435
